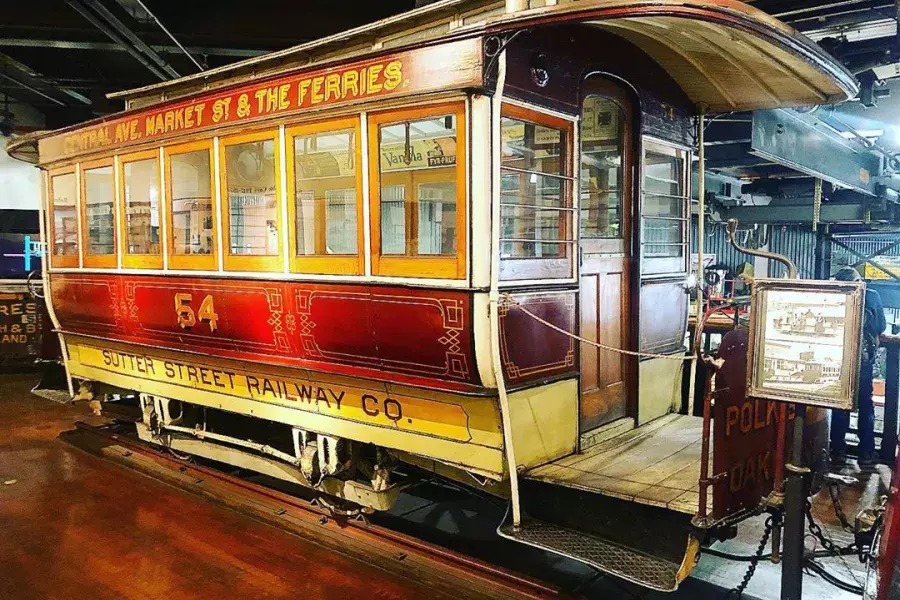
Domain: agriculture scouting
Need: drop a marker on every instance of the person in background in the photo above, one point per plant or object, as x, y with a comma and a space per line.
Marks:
874, 323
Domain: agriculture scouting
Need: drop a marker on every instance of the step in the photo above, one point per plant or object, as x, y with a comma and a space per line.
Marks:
626, 563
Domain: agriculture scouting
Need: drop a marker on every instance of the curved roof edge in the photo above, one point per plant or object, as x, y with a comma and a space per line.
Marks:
761, 33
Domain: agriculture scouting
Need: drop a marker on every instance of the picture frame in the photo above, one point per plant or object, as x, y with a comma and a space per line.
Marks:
804, 342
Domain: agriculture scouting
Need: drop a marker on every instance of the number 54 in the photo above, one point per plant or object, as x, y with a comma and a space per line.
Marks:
186, 316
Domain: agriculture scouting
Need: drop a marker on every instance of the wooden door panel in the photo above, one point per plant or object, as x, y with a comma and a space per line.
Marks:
589, 362
604, 293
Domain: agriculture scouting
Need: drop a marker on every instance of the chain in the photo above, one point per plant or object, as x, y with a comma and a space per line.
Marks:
839, 508
829, 545
738, 592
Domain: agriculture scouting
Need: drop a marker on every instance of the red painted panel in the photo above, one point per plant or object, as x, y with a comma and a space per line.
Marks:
420, 337
530, 350
889, 549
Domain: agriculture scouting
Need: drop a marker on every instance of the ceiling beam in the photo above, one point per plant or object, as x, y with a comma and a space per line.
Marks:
111, 47
26, 78
126, 39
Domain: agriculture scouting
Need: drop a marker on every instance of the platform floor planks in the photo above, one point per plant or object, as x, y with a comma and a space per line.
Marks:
656, 464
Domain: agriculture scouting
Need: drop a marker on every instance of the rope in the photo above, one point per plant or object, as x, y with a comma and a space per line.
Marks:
510, 301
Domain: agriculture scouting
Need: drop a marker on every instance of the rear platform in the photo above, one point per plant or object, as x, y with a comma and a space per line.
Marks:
657, 464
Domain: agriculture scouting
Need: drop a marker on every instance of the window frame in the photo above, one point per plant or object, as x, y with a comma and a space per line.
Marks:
63, 260
427, 266
101, 261
341, 264
191, 262
662, 266
240, 262
138, 261
535, 268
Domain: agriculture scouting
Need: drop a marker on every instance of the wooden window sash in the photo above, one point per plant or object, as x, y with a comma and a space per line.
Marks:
437, 267
325, 264
521, 267
62, 261
666, 265
190, 262
238, 262
138, 261
104, 261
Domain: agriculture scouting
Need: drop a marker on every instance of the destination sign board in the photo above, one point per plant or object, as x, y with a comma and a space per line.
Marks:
455, 65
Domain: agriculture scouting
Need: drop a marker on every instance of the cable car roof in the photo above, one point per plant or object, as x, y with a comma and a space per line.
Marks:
725, 54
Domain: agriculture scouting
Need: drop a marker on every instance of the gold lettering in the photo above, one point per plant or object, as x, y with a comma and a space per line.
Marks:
302, 90
332, 86
283, 102
260, 98
198, 112
393, 75
350, 82
169, 121
317, 96
243, 106
189, 117
221, 109
374, 84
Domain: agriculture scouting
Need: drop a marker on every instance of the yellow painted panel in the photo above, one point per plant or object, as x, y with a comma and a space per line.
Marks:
459, 430
544, 422
659, 388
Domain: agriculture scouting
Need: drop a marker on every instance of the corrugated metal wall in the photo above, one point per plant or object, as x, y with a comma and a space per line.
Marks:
797, 242
865, 246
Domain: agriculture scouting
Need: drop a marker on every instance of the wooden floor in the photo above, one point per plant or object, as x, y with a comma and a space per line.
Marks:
75, 526
657, 464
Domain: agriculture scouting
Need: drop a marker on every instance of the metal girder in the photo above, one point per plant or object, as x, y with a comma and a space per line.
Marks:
111, 47
796, 213
868, 259
166, 31
22, 76
806, 144
120, 34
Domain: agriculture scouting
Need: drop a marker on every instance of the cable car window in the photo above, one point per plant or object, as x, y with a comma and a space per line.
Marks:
535, 197
251, 187
419, 192
192, 215
665, 209
190, 188
325, 184
99, 192
419, 157
141, 210
601, 183
64, 206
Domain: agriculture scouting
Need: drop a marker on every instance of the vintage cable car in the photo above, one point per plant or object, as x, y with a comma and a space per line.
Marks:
377, 249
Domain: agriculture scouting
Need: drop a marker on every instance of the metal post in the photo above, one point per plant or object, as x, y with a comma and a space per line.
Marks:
701, 208
794, 515
891, 398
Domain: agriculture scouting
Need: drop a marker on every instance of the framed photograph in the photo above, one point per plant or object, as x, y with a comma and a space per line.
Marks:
805, 338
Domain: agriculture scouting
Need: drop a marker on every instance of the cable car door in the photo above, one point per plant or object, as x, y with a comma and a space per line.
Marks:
604, 196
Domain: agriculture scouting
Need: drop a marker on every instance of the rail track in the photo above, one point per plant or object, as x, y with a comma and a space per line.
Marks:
447, 572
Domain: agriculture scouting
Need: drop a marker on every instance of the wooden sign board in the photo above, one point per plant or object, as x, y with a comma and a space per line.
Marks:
455, 65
